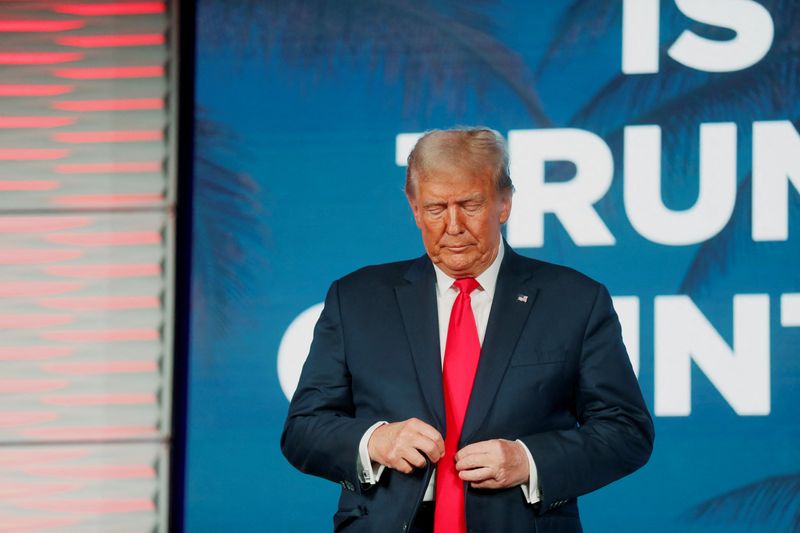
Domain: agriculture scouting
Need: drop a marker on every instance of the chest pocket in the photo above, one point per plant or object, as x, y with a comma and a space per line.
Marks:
538, 357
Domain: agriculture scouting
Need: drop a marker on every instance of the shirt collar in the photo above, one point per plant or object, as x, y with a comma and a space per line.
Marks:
487, 278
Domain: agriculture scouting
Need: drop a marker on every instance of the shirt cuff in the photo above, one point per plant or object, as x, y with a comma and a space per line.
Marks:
530, 489
368, 471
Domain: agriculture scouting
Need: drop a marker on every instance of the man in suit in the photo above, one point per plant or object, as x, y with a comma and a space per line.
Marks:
471, 388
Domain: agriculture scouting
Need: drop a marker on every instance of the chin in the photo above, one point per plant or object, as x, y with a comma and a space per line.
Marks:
459, 268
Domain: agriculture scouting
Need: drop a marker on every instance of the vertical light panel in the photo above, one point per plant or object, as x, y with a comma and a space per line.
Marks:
86, 255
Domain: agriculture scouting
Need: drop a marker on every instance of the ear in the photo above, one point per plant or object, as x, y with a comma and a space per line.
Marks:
505, 206
414, 209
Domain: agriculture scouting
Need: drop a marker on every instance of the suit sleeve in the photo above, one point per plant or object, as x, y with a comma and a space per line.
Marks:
615, 433
321, 434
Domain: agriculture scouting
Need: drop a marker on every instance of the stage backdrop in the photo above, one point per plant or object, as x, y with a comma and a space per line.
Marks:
654, 146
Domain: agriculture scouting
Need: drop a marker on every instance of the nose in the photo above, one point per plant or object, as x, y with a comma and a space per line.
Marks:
454, 222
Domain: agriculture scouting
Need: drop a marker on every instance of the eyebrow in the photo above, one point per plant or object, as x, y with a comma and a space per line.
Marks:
477, 197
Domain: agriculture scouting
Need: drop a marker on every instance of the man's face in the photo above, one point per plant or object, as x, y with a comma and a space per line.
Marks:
459, 212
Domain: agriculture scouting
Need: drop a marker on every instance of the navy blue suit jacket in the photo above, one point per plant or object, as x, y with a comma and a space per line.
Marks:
553, 372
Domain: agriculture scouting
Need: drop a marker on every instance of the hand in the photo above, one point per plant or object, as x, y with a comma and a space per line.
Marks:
401, 445
493, 464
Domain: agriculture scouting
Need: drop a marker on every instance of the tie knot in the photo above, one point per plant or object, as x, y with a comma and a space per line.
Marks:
466, 285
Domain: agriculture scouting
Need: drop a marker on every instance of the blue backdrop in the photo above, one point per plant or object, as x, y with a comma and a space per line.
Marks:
299, 108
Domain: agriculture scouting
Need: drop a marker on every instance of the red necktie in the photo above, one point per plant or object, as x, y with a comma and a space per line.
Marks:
461, 354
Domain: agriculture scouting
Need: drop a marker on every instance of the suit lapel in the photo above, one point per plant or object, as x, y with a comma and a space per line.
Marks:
416, 296
513, 299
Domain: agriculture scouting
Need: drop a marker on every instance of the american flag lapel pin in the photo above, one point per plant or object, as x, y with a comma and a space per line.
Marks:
522, 298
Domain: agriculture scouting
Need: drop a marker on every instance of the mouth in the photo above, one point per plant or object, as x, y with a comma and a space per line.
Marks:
458, 249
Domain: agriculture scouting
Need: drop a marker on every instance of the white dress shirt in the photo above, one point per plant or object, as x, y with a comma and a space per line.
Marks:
446, 294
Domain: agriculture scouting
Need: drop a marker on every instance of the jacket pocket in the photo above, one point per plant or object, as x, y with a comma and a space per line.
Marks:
345, 517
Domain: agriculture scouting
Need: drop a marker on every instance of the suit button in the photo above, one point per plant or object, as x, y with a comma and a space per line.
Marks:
405, 526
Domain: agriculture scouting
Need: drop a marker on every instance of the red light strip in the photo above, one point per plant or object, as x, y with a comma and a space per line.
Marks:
34, 353
103, 335
34, 185
107, 199
38, 26
108, 73
15, 419
105, 271
95, 10
35, 90
31, 289
17, 386
75, 505
97, 303
106, 238
33, 257
101, 367
107, 168
36, 122
100, 399
33, 321
109, 105
41, 224
92, 471
39, 58
93, 432
32, 154
27, 490
103, 41
29, 524
24, 456
76, 137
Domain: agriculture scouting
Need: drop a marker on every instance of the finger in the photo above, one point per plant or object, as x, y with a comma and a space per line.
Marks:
468, 462
428, 447
439, 440
421, 429
403, 466
414, 458
488, 484
477, 475
476, 448
428, 431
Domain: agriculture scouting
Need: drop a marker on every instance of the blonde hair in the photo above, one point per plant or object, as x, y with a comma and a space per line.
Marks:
478, 148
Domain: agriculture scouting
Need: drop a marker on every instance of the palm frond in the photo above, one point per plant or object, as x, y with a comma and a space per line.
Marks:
585, 21
626, 96
581, 21
679, 98
767, 91
439, 50
228, 221
734, 243
762, 92
716, 256
773, 502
